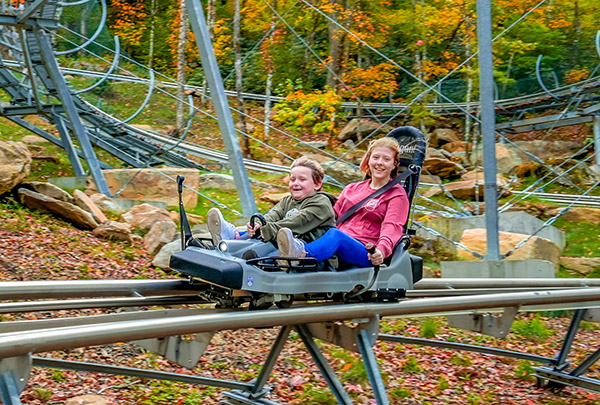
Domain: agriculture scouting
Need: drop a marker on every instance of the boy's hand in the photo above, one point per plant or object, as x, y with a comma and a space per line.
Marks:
376, 257
252, 231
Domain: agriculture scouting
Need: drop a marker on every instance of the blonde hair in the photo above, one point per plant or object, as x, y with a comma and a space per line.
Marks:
315, 167
385, 142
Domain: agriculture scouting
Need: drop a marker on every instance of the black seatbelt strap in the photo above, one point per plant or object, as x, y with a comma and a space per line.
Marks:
377, 193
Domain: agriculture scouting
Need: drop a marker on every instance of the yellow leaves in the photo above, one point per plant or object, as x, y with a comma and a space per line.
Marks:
127, 22
374, 82
577, 75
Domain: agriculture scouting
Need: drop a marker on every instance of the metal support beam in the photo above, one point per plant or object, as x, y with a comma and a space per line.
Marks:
370, 362
217, 92
488, 124
67, 144
8, 389
332, 381
64, 94
267, 368
597, 139
30, 10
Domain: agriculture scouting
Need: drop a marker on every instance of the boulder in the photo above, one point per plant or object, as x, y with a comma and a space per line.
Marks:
577, 214
15, 164
159, 235
70, 212
342, 172
358, 128
273, 197
545, 150
87, 400
143, 216
49, 189
33, 139
457, 146
217, 180
535, 248
581, 266
312, 144
163, 257
114, 230
106, 204
507, 158
442, 167
466, 190
150, 185
87, 204
441, 136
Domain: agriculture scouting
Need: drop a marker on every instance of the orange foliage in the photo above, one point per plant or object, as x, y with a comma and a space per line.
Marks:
577, 75
127, 22
374, 82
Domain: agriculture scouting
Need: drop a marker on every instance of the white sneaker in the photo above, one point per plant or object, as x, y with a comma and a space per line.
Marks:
218, 227
288, 245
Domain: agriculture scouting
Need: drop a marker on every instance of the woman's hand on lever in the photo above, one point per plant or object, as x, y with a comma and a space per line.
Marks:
376, 257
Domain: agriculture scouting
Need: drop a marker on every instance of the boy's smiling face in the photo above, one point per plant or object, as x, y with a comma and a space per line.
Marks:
302, 184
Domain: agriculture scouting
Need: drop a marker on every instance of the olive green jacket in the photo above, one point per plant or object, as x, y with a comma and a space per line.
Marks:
308, 219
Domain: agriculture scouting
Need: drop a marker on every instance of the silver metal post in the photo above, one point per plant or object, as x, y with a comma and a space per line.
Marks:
597, 139
488, 124
217, 92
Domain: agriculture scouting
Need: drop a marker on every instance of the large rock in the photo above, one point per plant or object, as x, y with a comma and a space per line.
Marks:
113, 230
150, 185
441, 136
342, 172
472, 189
106, 204
143, 216
578, 214
512, 221
442, 167
545, 150
70, 212
358, 128
534, 248
217, 180
87, 400
87, 204
49, 189
581, 266
159, 235
164, 255
15, 164
507, 158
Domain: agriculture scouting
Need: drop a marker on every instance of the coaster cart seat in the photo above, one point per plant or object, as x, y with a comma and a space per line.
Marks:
246, 271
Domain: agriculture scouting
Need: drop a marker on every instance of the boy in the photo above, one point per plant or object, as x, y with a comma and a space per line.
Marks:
307, 212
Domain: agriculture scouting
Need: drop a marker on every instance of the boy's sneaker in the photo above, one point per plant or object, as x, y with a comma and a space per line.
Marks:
288, 245
219, 228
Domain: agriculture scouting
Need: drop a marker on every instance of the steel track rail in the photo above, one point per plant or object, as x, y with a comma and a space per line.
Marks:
37, 341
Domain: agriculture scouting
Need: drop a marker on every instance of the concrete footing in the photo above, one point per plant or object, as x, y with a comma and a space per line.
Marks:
535, 268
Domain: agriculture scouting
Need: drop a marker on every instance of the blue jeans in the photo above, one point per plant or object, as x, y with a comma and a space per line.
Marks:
336, 242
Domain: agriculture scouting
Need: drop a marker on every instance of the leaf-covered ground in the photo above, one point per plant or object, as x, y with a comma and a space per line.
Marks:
39, 247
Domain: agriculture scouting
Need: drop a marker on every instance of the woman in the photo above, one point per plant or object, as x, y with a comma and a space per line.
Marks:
379, 220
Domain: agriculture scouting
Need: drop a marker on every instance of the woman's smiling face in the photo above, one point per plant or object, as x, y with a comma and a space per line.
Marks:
381, 163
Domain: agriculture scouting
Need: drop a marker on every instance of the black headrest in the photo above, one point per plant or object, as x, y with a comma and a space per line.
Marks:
412, 144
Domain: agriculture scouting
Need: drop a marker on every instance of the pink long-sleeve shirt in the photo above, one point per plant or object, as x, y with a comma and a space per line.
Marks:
380, 220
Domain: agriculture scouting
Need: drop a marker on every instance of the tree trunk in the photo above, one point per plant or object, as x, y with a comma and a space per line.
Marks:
238, 79
469, 69
153, 9
269, 84
183, 34
335, 50
211, 18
